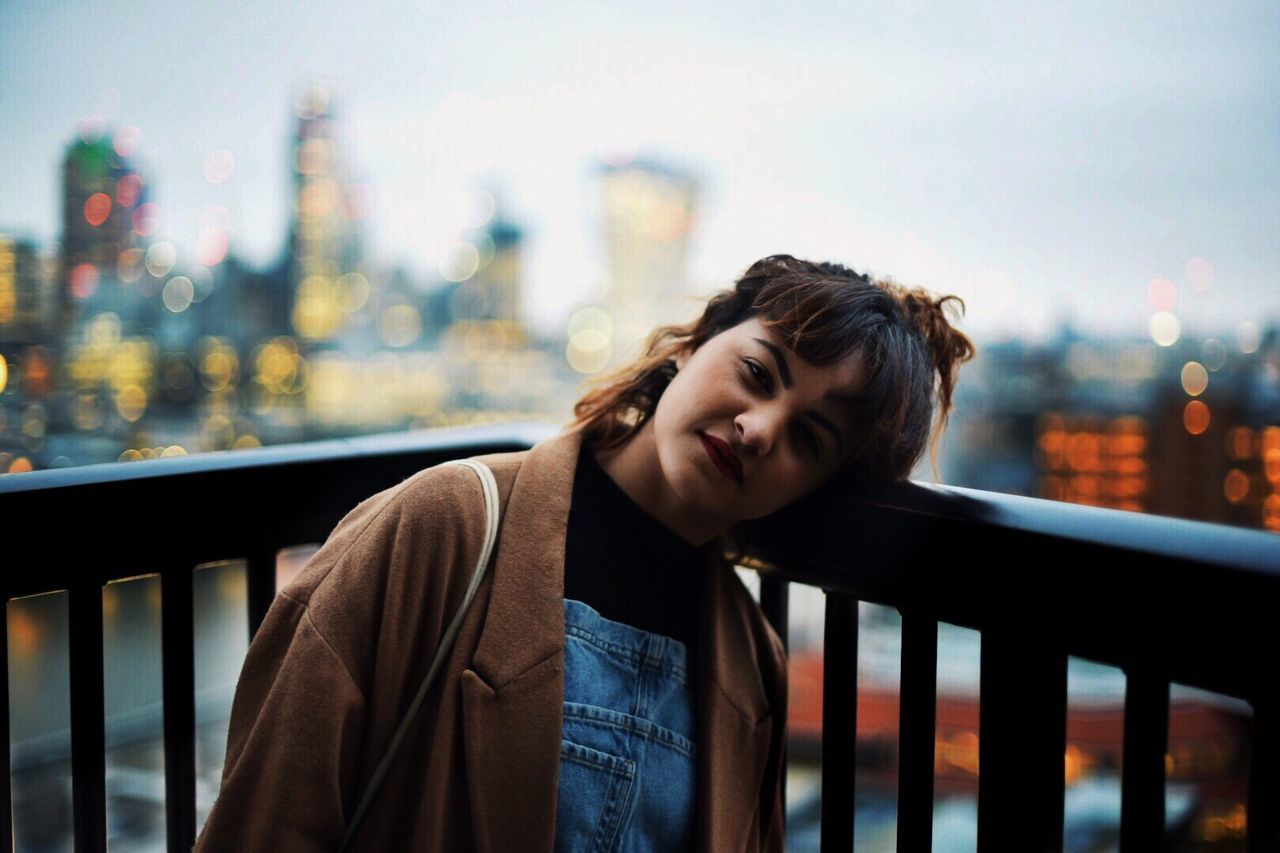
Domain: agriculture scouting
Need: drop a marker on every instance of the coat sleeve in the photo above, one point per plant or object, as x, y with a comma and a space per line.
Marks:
296, 730
772, 806
327, 671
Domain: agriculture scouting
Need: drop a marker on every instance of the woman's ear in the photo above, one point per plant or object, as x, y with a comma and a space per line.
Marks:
680, 358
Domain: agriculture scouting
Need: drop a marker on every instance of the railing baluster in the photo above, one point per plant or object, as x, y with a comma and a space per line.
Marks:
839, 721
88, 738
1142, 783
917, 723
6, 819
178, 655
1261, 816
775, 601
260, 580
1021, 742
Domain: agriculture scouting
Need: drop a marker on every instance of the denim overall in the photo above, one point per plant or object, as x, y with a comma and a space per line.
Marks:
627, 763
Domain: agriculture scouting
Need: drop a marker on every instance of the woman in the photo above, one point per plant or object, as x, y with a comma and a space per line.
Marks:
613, 686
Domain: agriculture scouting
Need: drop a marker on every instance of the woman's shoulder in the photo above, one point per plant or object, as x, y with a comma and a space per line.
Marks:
407, 550
424, 521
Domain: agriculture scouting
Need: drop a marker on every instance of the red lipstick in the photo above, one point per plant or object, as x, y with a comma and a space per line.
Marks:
723, 456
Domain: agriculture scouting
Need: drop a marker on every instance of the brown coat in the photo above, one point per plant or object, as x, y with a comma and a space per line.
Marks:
346, 644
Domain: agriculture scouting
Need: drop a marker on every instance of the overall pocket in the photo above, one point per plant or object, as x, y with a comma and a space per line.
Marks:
594, 799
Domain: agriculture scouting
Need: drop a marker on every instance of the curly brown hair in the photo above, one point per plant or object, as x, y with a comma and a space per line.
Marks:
825, 312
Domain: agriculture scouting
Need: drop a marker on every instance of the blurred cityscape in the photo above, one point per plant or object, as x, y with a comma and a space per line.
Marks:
116, 345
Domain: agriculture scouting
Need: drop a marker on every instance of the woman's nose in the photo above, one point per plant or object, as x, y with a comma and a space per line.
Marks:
757, 430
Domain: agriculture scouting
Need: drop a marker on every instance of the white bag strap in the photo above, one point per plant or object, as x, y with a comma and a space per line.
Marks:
490, 486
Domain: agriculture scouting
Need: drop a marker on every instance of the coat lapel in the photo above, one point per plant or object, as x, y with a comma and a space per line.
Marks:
733, 716
513, 696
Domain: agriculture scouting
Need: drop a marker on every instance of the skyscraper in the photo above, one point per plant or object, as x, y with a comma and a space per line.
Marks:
106, 220
647, 212
107, 226
325, 240
22, 310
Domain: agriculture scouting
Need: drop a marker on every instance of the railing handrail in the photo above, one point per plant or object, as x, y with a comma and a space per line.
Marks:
1149, 536
1188, 599
412, 442
1220, 545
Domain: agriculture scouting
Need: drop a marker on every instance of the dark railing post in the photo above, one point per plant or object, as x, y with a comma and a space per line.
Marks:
178, 660
839, 721
775, 601
88, 738
1021, 741
917, 723
6, 819
1261, 816
260, 581
1142, 774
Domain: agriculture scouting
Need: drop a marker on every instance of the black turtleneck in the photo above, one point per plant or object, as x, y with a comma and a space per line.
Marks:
628, 565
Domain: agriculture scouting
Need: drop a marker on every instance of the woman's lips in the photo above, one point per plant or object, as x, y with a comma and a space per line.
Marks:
723, 457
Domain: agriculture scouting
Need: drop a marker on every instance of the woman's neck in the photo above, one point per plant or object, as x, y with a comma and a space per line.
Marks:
635, 467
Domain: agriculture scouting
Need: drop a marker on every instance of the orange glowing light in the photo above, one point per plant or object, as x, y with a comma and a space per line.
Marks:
1082, 452
128, 189
1235, 486
1127, 488
129, 265
1271, 464
97, 208
84, 280
1271, 512
1195, 417
1130, 465
21, 465
1074, 763
146, 219
1240, 442
959, 751
37, 373
24, 632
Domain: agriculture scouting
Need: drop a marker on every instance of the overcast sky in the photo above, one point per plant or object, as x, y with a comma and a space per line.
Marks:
1043, 165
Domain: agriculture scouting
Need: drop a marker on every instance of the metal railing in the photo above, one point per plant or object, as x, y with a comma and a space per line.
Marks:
1163, 599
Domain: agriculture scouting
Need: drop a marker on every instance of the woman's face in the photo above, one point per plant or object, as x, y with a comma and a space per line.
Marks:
784, 422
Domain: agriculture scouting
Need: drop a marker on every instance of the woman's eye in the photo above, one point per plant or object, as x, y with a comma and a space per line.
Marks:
761, 375
812, 440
